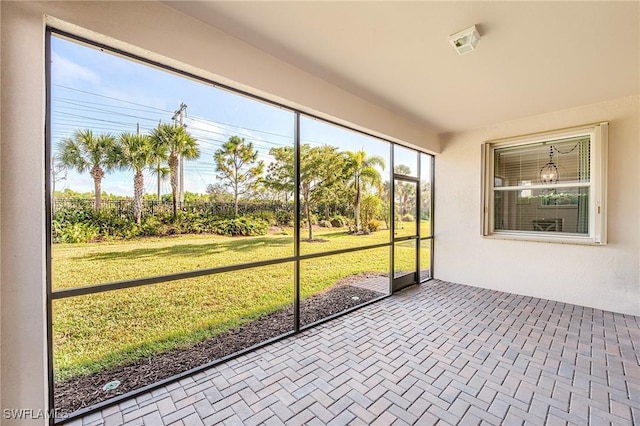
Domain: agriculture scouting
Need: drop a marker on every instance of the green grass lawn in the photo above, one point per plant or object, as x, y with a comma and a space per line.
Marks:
102, 330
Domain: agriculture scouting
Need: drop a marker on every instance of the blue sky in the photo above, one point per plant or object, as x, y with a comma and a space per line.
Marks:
92, 89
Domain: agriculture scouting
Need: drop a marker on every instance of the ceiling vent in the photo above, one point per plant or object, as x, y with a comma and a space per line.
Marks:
465, 41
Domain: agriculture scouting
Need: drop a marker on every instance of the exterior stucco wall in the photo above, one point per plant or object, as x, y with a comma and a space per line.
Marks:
605, 277
0, 206
22, 277
140, 28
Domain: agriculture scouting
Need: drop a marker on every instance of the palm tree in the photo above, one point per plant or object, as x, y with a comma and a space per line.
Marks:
176, 143
84, 152
137, 152
403, 191
161, 172
364, 173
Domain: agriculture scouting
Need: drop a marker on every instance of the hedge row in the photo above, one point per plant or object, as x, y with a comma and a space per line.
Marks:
76, 225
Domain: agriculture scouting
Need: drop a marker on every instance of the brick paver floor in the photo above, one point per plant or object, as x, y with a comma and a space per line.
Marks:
439, 353
379, 284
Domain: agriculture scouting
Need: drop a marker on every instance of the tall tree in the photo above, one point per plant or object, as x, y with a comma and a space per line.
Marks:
404, 192
84, 152
280, 172
238, 166
137, 152
177, 143
363, 171
320, 168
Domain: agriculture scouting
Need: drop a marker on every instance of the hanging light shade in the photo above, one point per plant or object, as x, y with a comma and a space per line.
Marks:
549, 172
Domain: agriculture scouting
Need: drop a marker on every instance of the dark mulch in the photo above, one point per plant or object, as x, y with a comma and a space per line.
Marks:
84, 391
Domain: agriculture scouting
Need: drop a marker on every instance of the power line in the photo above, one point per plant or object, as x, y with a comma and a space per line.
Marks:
195, 118
79, 102
112, 98
199, 130
100, 110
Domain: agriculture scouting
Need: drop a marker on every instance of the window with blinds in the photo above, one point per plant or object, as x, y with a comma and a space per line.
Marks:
548, 187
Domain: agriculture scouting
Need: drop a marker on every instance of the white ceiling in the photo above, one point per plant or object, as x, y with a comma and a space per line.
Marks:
534, 57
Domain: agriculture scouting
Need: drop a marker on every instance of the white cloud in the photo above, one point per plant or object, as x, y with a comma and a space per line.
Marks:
68, 72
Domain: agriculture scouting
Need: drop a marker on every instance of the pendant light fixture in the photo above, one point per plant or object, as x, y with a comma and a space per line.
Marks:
549, 172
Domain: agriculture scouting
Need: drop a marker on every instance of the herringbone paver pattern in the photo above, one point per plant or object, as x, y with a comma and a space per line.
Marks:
379, 284
440, 353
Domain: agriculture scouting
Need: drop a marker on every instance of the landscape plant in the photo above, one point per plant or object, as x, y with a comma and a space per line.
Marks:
320, 168
86, 152
280, 173
137, 152
177, 145
371, 209
238, 167
364, 173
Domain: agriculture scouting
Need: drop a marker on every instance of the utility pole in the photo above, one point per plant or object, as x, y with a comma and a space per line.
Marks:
178, 120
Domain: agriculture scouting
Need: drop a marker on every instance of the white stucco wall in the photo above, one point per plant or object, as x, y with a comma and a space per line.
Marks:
151, 30
605, 277
0, 206
22, 276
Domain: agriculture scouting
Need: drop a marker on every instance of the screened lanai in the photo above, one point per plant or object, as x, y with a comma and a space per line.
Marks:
319, 212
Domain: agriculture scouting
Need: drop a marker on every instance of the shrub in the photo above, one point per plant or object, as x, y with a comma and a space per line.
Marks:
78, 233
165, 216
269, 217
325, 224
374, 225
284, 218
241, 226
370, 208
338, 221
80, 223
190, 222
78, 212
112, 224
151, 226
408, 218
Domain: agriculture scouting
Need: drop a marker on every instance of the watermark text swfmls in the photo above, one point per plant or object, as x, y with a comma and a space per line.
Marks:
31, 414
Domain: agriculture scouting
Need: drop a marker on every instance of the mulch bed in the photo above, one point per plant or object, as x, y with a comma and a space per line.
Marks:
84, 391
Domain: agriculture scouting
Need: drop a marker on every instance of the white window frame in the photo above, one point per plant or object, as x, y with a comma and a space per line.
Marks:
597, 235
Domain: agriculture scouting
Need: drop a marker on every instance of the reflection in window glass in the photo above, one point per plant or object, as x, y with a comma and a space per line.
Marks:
141, 335
344, 181
405, 161
528, 186
558, 210
331, 284
122, 208
550, 162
